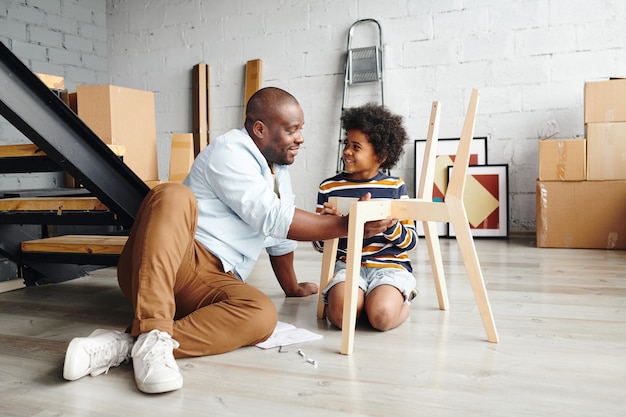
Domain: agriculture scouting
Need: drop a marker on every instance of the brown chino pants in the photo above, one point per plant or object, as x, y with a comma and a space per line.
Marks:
179, 287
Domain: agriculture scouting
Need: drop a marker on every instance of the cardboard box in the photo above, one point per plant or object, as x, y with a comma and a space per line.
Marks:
606, 151
562, 160
54, 82
123, 116
181, 156
585, 214
605, 101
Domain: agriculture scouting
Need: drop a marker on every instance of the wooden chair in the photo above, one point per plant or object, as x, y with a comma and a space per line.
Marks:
423, 209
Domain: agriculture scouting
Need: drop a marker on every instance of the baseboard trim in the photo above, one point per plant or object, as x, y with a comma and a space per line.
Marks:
13, 284
522, 234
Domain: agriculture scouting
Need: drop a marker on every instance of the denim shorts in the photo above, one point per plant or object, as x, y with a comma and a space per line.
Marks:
370, 278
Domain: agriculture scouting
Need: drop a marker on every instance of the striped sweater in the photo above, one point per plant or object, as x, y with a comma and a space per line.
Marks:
385, 250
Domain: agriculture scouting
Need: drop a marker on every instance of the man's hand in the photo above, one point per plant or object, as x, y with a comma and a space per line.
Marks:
377, 226
286, 276
303, 289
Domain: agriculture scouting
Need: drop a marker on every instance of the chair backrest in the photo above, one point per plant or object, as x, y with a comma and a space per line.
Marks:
456, 185
427, 176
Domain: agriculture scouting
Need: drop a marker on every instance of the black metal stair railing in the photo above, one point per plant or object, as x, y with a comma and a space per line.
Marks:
44, 119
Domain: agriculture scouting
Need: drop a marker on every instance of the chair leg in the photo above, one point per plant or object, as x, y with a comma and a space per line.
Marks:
328, 262
434, 253
353, 266
464, 238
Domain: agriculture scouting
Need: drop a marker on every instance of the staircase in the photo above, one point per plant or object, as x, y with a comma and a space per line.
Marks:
109, 199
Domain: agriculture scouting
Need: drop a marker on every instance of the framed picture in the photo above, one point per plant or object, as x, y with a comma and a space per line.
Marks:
446, 151
486, 200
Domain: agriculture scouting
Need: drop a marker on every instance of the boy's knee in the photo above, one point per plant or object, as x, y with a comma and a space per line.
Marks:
334, 313
381, 319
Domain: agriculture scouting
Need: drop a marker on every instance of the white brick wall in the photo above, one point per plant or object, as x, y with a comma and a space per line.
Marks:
529, 58
58, 37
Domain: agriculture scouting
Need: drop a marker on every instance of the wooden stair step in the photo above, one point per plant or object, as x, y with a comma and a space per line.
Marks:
59, 204
77, 244
30, 149
20, 150
56, 210
63, 192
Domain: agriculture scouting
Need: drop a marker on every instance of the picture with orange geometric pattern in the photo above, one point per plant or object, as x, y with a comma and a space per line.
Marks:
486, 200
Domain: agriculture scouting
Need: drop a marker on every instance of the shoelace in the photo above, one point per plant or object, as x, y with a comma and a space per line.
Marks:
111, 354
161, 345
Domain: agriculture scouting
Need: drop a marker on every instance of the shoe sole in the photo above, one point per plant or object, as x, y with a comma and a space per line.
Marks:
161, 387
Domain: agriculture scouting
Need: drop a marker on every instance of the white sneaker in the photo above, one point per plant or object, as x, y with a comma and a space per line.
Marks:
155, 367
96, 353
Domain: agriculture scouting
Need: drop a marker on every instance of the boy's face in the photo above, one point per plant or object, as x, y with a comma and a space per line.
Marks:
359, 159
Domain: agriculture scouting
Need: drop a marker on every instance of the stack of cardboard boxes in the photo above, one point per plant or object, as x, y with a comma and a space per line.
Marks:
581, 191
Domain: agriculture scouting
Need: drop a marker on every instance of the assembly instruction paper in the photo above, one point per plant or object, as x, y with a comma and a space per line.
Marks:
288, 334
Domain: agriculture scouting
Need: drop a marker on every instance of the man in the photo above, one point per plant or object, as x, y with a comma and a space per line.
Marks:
192, 246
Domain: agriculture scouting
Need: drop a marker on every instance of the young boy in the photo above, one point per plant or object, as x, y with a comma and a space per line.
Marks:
374, 142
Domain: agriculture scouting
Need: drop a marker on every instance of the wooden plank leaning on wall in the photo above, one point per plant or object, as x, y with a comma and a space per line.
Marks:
254, 70
201, 100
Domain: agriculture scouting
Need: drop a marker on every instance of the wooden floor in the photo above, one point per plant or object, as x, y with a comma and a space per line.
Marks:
561, 317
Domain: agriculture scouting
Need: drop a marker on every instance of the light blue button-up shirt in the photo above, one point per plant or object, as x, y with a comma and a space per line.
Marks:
238, 211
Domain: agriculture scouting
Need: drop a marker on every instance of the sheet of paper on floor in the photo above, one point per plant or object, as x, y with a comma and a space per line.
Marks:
287, 334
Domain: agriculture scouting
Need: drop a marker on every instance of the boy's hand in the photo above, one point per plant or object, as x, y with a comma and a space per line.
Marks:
375, 227
365, 197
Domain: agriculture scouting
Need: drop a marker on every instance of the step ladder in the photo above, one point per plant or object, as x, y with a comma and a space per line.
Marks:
363, 65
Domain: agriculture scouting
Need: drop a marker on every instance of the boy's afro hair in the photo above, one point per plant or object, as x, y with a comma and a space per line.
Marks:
383, 129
